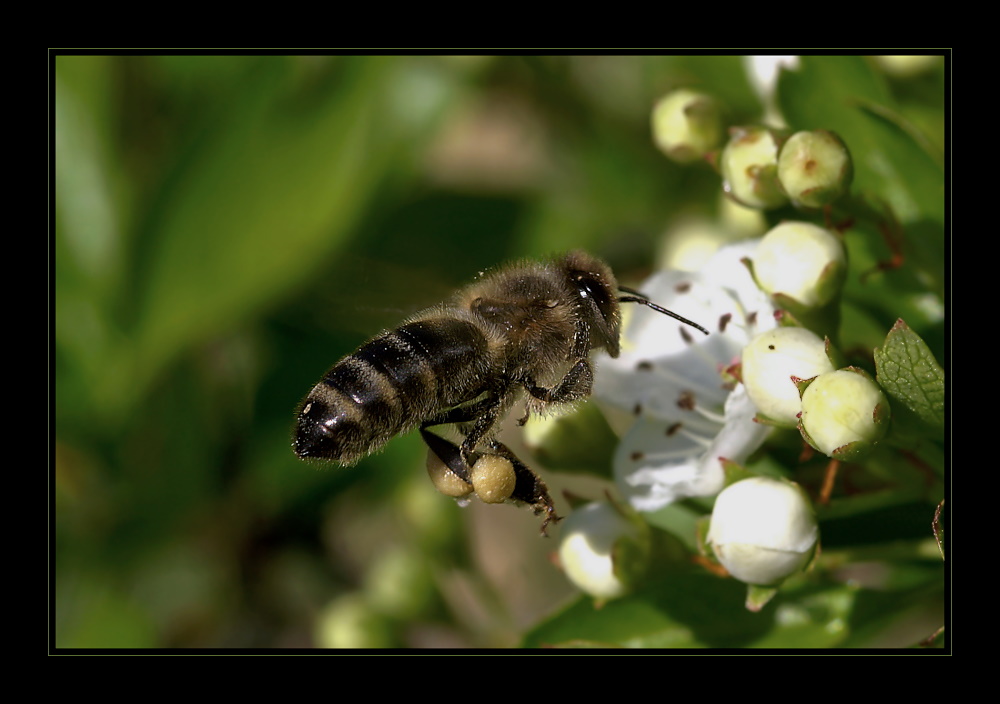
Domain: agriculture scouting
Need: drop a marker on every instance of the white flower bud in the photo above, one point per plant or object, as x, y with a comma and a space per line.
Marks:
802, 261
493, 479
687, 125
602, 550
763, 530
769, 363
844, 413
814, 168
749, 166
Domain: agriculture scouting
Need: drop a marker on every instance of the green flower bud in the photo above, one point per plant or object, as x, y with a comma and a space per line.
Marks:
749, 166
493, 479
844, 413
802, 262
769, 363
814, 168
399, 583
604, 550
350, 622
687, 125
907, 66
763, 530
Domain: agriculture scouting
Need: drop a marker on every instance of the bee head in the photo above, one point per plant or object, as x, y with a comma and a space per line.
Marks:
597, 290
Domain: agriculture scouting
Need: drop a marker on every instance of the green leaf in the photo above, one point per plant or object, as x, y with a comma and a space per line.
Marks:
697, 610
271, 179
688, 610
908, 372
93, 612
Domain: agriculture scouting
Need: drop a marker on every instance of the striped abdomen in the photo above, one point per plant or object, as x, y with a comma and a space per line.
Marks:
390, 385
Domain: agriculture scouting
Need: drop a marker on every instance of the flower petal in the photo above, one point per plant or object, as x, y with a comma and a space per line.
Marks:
657, 464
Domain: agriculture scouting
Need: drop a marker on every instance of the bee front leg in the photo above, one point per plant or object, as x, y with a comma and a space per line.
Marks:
577, 384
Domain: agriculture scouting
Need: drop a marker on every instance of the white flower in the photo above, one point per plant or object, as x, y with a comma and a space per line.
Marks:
763, 72
686, 417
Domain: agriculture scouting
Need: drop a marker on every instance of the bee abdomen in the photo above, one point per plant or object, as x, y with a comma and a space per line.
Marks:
389, 385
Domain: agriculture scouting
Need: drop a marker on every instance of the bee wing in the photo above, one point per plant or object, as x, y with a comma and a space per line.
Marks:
360, 295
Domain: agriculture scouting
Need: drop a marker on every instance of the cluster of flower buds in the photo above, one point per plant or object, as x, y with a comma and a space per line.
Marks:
766, 168
762, 530
794, 376
761, 167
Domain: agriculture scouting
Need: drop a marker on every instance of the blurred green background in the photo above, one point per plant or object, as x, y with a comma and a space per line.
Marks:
227, 227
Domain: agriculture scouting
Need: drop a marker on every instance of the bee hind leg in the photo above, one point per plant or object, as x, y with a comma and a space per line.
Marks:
529, 487
480, 416
449, 453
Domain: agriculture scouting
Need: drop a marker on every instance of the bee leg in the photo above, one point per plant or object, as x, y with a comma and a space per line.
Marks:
483, 415
463, 414
528, 487
577, 384
449, 453
481, 427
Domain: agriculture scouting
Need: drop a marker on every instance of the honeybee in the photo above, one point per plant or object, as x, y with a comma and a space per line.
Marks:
521, 332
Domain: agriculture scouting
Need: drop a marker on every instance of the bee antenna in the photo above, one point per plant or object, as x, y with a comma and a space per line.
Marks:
638, 297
